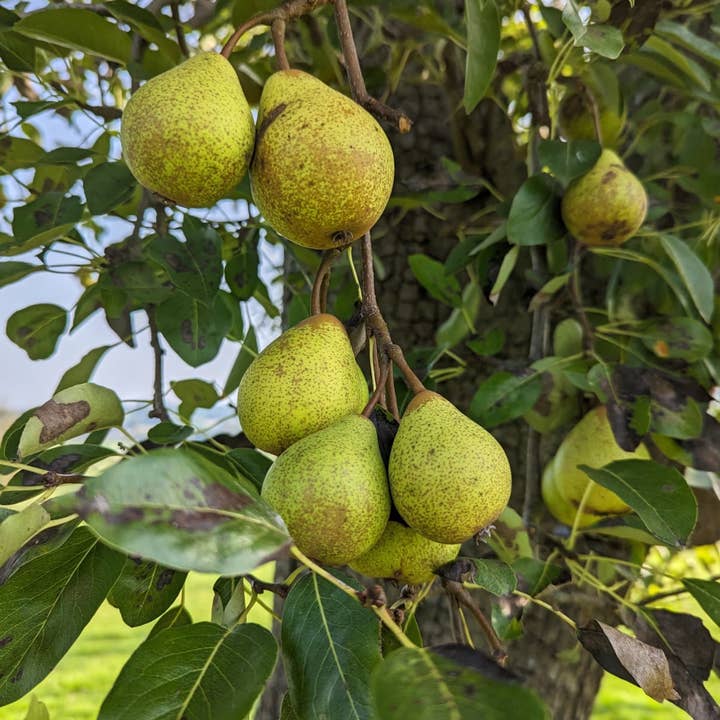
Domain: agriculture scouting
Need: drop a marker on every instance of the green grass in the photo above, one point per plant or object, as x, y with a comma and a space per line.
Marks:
77, 686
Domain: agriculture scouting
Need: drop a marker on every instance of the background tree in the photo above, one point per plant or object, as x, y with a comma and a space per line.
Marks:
475, 271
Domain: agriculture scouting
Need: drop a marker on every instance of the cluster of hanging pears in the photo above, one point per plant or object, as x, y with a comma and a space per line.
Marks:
302, 399
591, 442
321, 167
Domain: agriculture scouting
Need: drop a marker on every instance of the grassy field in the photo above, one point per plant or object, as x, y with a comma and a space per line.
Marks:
77, 686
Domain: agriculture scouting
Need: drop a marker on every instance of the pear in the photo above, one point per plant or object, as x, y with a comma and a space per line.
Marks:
576, 122
330, 488
74, 411
449, 477
188, 133
607, 205
558, 401
591, 442
323, 168
404, 555
559, 508
302, 382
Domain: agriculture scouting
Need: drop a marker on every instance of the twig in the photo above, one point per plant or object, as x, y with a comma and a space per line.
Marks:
158, 409
258, 586
178, 29
323, 272
576, 296
670, 593
355, 76
463, 598
533, 32
376, 323
569, 621
278, 35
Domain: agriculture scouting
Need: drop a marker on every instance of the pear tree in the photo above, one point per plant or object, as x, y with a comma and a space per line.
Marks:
463, 460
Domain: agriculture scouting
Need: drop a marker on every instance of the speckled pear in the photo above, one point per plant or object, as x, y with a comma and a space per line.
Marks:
591, 442
559, 508
330, 488
404, 555
449, 477
303, 381
74, 411
323, 168
607, 205
188, 134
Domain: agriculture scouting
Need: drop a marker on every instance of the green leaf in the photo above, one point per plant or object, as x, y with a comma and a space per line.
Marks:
241, 272
194, 394
195, 266
694, 273
707, 593
658, 494
504, 397
193, 330
167, 433
201, 671
45, 605
83, 370
36, 329
483, 42
248, 352
535, 212
37, 710
491, 343
546, 292
180, 510
17, 52
16, 153
494, 576
40, 222
65, 156
684, 37
604, 40
229, 601
695, 72
568, 160
253, 465
431, 275
536, 574
462, 320
145, 590
108, 185
174, 617
506, 269
434, 687
11, 272
330, 645
679, 337
78, 29
19, 527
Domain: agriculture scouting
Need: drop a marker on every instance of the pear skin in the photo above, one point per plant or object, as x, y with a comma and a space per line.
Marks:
188, 133
330, 488
449, 477
302, 382
323, 168
404, 555
607, 205
560, 508
590, 442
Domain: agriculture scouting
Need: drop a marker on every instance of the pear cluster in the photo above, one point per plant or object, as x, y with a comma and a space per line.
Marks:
302, 399
321, 167
564, 486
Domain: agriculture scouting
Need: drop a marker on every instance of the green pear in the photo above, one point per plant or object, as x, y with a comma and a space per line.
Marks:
303, 381
576, 122
323, 168
591, 442
188, 133
404, 555
330, 488
449, 477
558, 401
568, 338
559, 508
607, 205
73, 411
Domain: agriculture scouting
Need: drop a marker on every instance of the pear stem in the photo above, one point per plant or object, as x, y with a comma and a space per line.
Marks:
379, 387
323, 274
265, 18
376, 322
592, 106
392, 403
178, 29
355, 77
278, 35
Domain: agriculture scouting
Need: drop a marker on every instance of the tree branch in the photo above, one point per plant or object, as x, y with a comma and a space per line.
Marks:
158, 409
278, 35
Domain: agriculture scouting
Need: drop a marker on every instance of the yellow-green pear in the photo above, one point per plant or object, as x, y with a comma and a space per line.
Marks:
302, 382
330, 488
607, 205
449, 477
591, 442
576, 122
73, 411
404, 555
188, 133
559, 508
323, 168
